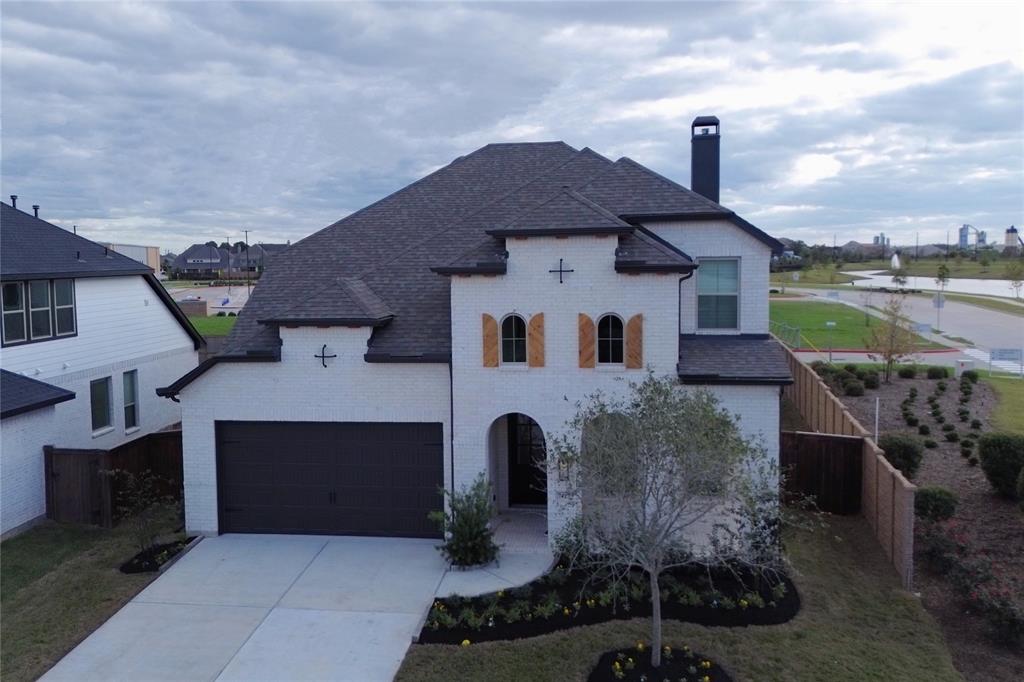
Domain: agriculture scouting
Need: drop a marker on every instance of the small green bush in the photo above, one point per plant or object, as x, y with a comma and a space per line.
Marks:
952, 436
948, 427
924, 429
936, 372
903, 452
911, 420
466, 525
853, 388
975, 424
935, 503
965, 452
1002, 459
851, 368
871, 380
232, 314
940, 419
966, 444
971, 375
973, 461
941, 386
930, 444
912, 393
907, 372
222, 314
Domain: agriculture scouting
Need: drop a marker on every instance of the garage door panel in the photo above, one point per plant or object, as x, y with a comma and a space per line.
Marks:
360, 478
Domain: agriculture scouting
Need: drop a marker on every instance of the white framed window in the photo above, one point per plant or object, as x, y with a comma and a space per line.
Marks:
609, 340
130, 379
40, 322
64, 306
718, 294
99, 399
14, 329
513, 340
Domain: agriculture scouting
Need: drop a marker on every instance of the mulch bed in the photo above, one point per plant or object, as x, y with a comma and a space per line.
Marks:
150, 560
993, 524
679, 664
693, 598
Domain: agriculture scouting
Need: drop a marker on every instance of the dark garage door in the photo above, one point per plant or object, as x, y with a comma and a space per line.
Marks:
339, 478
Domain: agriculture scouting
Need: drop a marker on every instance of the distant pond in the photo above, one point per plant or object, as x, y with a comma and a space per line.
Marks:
987, 287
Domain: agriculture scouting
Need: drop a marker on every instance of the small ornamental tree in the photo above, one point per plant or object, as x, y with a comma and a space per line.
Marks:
899, 277
650, 475
892, 341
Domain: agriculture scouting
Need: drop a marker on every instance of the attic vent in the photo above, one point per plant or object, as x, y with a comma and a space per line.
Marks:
14, 201
35, 209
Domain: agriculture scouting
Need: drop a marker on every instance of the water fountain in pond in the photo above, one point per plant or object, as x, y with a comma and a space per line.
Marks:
895, 265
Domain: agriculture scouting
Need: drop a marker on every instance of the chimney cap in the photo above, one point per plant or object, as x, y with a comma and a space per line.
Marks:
701, 121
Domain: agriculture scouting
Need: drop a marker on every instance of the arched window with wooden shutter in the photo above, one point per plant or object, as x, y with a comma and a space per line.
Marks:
535, 341
490, 341
588, 338
635, 342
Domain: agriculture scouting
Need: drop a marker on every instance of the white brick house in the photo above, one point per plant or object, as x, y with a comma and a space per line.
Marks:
88, 336
447, 329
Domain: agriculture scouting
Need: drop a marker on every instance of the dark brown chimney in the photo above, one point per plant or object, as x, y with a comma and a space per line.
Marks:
704, 161
14, 201
35, 209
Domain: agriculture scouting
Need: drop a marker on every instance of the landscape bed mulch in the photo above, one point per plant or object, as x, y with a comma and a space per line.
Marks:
993, 524
725, 599
150, 560
676, 664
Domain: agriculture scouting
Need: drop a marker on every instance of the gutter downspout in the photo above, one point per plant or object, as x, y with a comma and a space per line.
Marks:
451, 422
679, 313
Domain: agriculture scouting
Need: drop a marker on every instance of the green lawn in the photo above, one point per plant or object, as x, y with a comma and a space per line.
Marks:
928, 267
819, 275
852, 328
1009, 411
213, 326
998, 304
856, 624
58, 583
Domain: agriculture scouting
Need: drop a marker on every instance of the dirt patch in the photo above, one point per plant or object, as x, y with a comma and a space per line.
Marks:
994, 525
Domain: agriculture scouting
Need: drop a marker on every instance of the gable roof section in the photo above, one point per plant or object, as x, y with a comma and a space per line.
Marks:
567, 213
20, 394
345, 302
746, 359
31, 248
644, 251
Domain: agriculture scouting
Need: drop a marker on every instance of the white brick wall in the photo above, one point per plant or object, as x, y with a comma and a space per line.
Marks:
121, 326
299, 388
722, 239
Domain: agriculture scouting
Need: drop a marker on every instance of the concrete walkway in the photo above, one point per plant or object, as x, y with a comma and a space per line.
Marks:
284, 607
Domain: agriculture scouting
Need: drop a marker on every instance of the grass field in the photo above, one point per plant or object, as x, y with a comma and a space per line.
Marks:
852, 328
822, 275
58, 583
855, 624
1001, 305
213, 326
1009, 411
928, 267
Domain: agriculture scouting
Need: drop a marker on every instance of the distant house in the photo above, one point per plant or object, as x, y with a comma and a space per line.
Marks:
87, 335
147, 255
202, 260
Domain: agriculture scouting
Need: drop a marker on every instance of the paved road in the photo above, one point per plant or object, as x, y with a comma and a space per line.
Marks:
237, 297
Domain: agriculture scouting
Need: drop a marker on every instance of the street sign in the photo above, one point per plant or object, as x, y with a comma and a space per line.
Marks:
939, 301
1007, 355
922, 328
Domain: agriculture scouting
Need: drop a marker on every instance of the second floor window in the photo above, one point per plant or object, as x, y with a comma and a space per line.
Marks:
718, 294
38, 310
513, 339
609, 340
130, 380
99, 401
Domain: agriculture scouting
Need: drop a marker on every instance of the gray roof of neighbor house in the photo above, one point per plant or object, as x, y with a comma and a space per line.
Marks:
31, 248
204, 252
452, 221
724, 359
20, 394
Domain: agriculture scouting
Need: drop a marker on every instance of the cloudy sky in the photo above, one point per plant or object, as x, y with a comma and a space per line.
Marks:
166, 124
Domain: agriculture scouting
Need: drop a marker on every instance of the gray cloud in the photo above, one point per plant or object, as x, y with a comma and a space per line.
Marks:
173, 123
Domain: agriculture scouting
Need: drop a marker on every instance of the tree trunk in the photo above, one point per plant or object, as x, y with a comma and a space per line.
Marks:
655, 621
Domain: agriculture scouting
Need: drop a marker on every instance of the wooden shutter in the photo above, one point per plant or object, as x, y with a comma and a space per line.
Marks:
490, 341
535, 341
588, 347
635, 342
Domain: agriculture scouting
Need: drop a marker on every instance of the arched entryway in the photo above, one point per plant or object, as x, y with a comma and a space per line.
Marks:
518, 456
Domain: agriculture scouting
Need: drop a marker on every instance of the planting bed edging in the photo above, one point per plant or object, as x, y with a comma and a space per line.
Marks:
678, 667
184, 550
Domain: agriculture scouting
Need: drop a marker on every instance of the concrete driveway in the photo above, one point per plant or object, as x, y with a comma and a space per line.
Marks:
269, 607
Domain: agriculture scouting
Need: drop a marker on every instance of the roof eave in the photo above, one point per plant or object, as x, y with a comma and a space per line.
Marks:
25, 276
718, 379
401, 358
562, 232
644, 266
328, 321
171, 391
480, 269
197, 339
771, 242
38, 405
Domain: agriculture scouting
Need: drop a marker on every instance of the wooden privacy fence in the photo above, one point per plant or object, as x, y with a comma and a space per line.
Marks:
76, 491
824, 466
886, 497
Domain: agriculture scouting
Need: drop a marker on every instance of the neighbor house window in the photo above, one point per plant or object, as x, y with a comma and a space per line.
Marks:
99, 396
131, 399
609, 340
718, 294
38, 310
513, 339
14, 312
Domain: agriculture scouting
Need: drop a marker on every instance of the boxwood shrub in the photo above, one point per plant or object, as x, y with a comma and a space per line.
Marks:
935, 503
853, 387
871, 380
975, 424
971, 375
930, 444
924, 429
903, 452
1002, 459
911, 420
952, 436
936, 372
907, 372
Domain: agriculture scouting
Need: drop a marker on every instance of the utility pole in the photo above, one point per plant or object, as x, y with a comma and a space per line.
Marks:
248, 287
917, 246
227, 241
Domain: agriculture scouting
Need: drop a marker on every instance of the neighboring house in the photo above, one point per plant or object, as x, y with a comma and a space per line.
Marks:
254, 260
147, 255
447, 329
202, 261
87, 335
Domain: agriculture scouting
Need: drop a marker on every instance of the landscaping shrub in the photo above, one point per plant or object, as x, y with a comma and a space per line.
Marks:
912, 393
939, 418
871, 380
965, 452
911, 420
853, 388
903, 452
930, 444
936, 372
952, 436
948, 427
972, 460
467, 525
975, 423
232, 314
924, 429
971, 375
222, 314
907, 372
940, 387
1002, 458
935, 503
851, 368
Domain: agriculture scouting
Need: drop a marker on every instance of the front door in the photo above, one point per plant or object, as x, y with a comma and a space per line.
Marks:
526, 456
